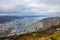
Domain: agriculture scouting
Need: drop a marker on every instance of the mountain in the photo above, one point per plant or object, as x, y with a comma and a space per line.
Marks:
27, 24
4, 19
45, 23
39, 28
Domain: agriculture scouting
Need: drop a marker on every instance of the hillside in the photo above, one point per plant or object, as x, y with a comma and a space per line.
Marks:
45, 23
38, 29
47, 28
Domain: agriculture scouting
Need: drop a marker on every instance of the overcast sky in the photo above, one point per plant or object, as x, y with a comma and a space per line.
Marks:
29, 7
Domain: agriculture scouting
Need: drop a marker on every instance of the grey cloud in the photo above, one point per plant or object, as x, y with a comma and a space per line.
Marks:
21, 6
55, 2
50, 2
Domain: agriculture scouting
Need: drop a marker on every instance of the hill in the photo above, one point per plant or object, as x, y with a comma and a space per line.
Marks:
48, 28
40, 29
4, 19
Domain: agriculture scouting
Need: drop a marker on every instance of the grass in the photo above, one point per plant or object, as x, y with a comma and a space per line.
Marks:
54, 36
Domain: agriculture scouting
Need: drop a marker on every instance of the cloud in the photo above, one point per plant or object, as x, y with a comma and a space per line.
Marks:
52, 2
42, 7
30, 6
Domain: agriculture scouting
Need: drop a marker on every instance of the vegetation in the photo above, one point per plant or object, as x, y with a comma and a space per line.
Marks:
48, 34
6, 32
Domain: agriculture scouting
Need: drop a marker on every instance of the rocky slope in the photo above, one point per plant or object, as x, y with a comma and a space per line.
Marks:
45, 23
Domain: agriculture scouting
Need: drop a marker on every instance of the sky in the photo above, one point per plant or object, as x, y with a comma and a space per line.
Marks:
29, 7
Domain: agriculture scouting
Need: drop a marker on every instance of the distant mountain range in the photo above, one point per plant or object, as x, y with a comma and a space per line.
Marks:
10, 18
4, 19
